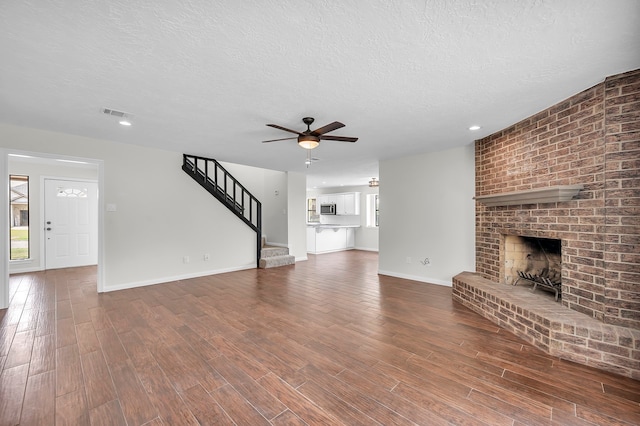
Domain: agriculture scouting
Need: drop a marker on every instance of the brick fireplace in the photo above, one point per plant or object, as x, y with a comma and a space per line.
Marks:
589, 144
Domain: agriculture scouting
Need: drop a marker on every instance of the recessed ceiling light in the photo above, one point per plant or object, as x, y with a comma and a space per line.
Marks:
474, 128
125, 122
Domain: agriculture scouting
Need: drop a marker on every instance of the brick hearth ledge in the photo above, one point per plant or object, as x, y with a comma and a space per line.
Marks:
549, 326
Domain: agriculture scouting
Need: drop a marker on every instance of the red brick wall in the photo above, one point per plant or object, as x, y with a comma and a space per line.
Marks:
622, 199
593, 139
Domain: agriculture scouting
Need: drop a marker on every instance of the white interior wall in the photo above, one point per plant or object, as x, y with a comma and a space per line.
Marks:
297, 215
427, 211
263, 184
274, 218
161, 214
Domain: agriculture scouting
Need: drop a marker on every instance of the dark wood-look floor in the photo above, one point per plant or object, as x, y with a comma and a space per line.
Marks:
326, 341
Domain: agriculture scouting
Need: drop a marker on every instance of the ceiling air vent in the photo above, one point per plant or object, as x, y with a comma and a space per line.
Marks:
116, 113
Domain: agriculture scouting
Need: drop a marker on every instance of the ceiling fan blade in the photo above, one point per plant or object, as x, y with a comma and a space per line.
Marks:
275, 126
338, 138
328, 128
276, 140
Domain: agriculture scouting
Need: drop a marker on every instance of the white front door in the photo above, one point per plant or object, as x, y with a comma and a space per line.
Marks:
70, 223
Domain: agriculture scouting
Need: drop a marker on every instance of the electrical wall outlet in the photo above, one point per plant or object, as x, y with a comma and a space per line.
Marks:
206, 256
408, 260
185, 259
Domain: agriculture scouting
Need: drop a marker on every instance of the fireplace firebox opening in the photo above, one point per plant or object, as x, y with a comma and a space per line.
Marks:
533, 261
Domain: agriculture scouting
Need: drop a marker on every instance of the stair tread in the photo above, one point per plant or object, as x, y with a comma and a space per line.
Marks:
268, 252
275, 261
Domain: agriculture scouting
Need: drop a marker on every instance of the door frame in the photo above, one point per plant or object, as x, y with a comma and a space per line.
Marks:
4, 215
43, 196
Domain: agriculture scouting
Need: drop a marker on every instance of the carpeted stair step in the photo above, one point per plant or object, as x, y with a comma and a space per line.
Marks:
278, 260
270, 251
275, 256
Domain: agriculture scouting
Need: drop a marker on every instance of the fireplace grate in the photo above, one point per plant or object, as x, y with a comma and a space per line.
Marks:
540, 281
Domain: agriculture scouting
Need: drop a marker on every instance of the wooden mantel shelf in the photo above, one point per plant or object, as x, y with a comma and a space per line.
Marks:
549, 194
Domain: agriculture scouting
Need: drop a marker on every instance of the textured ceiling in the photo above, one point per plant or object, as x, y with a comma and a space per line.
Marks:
204, 77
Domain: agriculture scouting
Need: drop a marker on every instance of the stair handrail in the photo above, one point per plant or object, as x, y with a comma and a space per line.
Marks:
190, 164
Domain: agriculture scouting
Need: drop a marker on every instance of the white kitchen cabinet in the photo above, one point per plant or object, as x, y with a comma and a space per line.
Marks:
350, 238
347, 203
311, 239
332, 239
351, 203
326, 239
333, 199
339, 203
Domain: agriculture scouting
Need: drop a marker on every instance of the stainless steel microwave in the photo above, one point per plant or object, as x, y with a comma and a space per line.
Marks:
327, 209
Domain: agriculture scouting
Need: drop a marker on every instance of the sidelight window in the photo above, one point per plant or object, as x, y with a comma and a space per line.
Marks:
19, 217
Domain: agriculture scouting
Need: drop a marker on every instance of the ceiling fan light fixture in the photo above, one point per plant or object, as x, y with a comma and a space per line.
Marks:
308, 141
374, 183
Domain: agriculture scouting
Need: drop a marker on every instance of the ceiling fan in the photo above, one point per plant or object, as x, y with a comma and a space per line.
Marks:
310, 139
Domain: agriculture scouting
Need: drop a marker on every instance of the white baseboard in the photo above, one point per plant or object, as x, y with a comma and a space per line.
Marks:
367, 249
331, 251
269, 243
163, 280
416, 278
24, 266
25, 270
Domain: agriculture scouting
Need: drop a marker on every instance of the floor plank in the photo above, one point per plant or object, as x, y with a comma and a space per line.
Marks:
108, 414
205, 409
68, 370
71, 409
39, 407
13, 382
98, 384
325, 341
134, 399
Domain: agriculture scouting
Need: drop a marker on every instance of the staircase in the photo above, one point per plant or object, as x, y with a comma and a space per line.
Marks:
222, 185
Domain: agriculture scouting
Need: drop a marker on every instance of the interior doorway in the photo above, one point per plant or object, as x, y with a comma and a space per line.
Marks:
44, 161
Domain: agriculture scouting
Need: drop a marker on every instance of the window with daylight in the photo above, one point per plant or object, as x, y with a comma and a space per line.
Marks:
373, 210
19, 217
